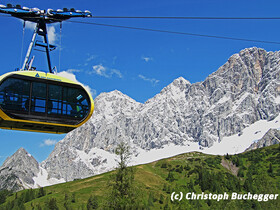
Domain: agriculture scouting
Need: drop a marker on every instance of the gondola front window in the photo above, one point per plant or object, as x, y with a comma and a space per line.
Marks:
75, 102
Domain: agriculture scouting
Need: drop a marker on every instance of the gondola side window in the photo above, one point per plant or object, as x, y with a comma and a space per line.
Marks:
54, 104
38, 97
14, 94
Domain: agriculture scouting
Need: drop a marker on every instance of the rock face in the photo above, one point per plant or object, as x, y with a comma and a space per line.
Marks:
244, 90
17, 171
270, 138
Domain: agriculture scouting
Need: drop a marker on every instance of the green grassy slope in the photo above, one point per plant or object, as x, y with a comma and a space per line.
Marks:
256, 171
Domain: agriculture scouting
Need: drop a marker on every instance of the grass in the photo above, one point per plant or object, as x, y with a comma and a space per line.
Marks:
191, 172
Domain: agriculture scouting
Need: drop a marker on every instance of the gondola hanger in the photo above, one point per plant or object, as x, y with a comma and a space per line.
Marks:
38, 101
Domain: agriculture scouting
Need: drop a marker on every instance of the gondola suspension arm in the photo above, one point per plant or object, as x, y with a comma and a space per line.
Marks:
41, 18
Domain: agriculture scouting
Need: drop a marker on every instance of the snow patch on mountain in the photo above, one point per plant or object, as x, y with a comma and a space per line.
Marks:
240, 142
42, 179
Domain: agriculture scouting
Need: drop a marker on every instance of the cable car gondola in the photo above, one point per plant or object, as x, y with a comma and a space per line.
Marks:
44, 102
39, 101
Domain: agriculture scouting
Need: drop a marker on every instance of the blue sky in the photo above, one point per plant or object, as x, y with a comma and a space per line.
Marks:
138, 63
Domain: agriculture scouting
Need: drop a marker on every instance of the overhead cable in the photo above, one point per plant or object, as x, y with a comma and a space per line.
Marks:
176, 32
186, 18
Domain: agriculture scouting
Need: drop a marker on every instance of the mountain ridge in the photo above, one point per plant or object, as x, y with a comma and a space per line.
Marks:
239, 93
245, 90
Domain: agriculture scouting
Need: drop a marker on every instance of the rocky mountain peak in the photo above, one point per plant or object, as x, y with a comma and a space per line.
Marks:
113, 102
17, 171
174, 91
20, 159
253, 59
178, 85
180, 80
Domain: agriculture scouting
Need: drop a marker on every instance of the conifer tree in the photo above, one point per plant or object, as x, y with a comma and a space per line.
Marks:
150, 200
170, 177
3, 195
270, 170
227, 156
123, 192
73, 199
161, 199
92, 203
41, 192
51, 204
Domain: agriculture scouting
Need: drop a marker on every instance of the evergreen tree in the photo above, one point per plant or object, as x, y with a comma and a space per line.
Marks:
168, 190
187, 168
151, 199
123, 193
237, 162
66, 196
241, 172
227, 156
92, 203
66, 201
73, 199
191, 185
51, 204
3, 195
248, 184
66, 205
28, 195
270, 170
41, 192
161, 199
170, 177
164, 187
166, 207
180, 169
164, 165
38, 207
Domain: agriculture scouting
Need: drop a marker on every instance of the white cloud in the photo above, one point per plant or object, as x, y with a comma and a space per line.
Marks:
73, 70
48, 142
106, 72
117, 72
91, 57
100, 70
69, 75
51, 34
30, 25
151, 80
147, 59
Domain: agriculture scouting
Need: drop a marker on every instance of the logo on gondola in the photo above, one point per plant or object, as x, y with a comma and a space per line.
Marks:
43, 77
